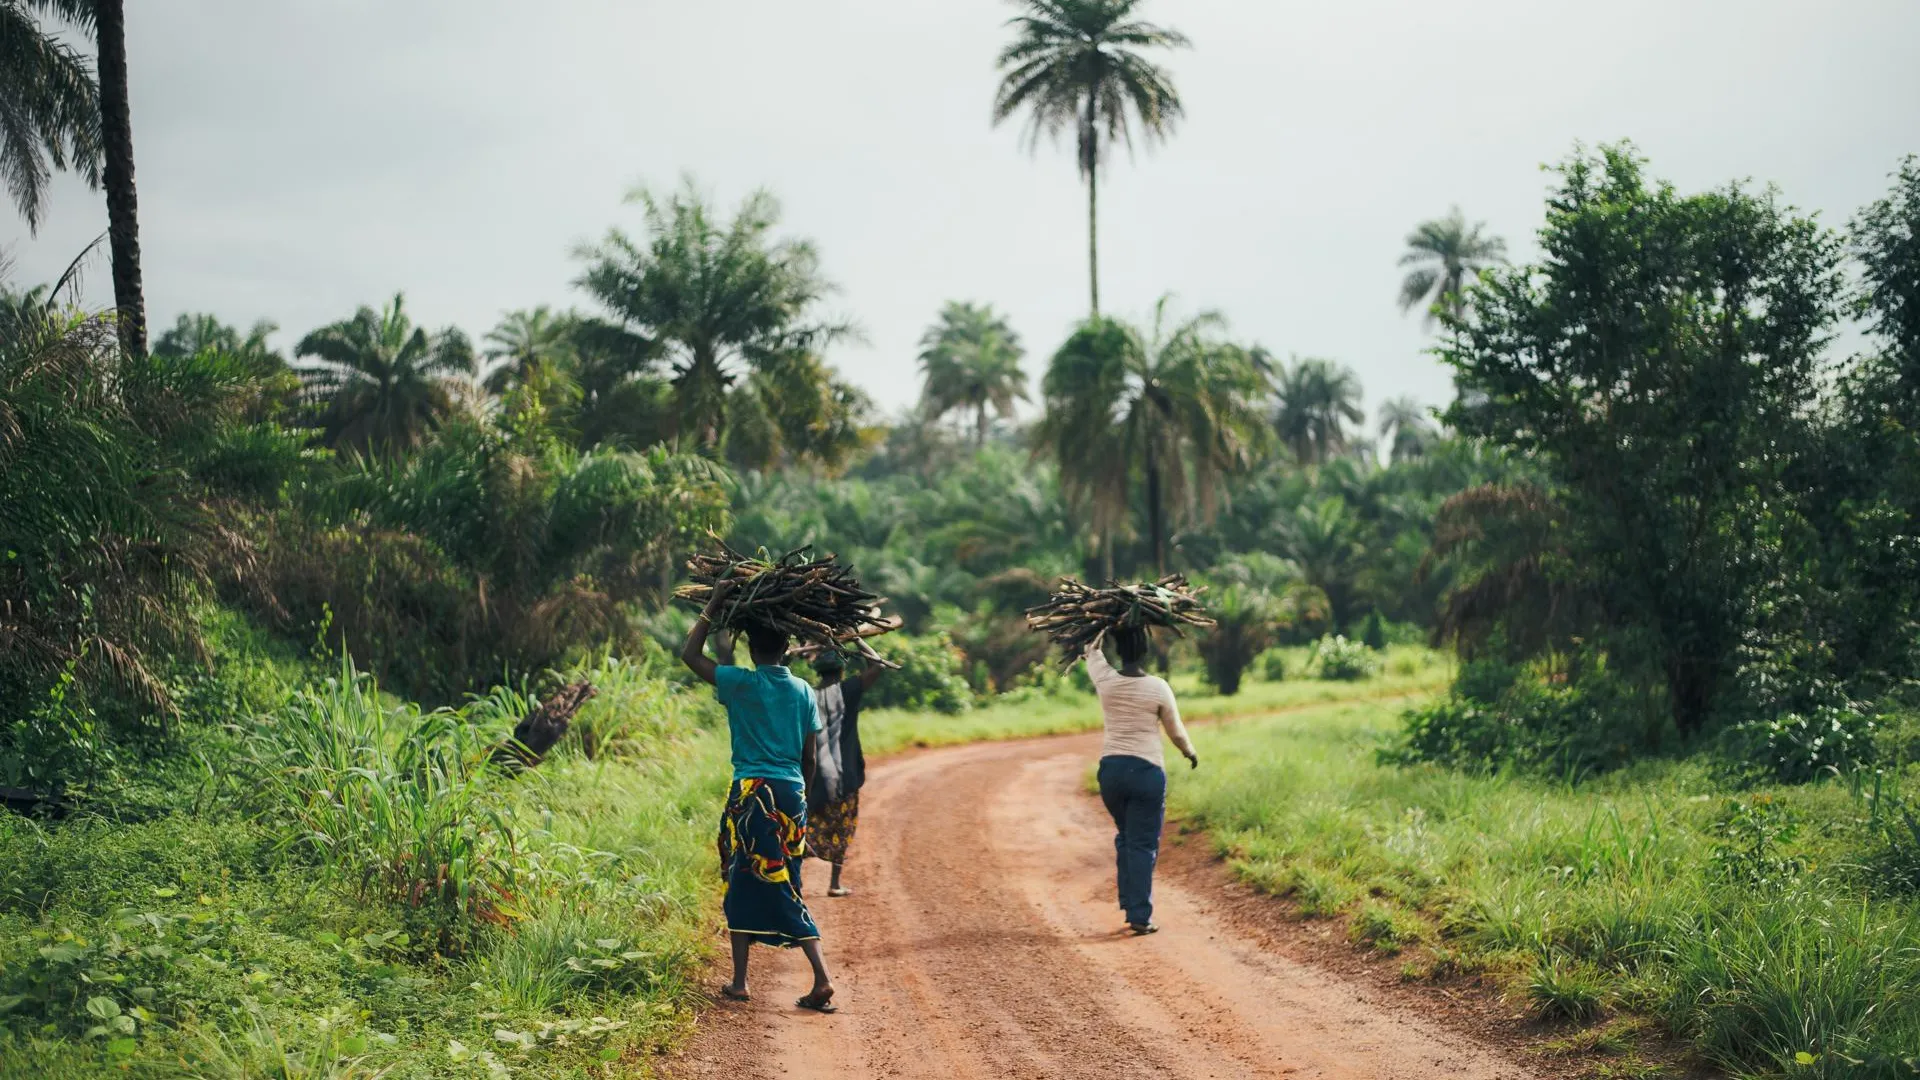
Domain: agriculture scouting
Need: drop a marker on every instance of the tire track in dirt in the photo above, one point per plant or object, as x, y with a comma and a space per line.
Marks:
983, 941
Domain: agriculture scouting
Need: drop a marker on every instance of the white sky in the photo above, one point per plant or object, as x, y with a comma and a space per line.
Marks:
297, 158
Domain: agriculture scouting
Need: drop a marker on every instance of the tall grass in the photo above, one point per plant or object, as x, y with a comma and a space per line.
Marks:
1629, 894
393, 802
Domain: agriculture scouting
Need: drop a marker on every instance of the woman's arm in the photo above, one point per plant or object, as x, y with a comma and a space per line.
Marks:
1177, 731
694, 652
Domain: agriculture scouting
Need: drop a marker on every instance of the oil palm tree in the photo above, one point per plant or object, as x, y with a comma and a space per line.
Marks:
49, 105
1404, 424
1076, 64
1173, 401
1315, 401
717, 298
1442, 253
526, 340
970, 360
384, 382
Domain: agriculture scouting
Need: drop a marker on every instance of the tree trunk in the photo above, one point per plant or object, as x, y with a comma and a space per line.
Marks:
1093, 236
1090, 164
1106, 554
980, 426
123, 216
1153, 513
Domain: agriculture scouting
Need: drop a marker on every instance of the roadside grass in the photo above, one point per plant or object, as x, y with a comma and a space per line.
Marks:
1405, 671
1653, 894
348, 892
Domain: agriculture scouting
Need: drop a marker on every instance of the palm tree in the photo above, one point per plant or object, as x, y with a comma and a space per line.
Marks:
1315, 400
385, 382
1075, 64
1174, 401
1324, 539
526, 340
1442, 254
1404, 424
971, 360
715, 297
49, 105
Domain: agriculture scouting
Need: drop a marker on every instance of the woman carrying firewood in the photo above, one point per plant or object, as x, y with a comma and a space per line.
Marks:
771, 718
833, 795
1136, 707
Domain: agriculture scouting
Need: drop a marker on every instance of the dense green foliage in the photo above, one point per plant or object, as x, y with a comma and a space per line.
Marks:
1712, 537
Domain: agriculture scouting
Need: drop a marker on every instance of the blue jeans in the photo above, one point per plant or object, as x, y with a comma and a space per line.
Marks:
1135, 791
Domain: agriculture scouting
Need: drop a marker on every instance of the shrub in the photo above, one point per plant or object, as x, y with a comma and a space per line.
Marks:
1344, 660
1795, 748
1373, 633
1273, 665
932, 675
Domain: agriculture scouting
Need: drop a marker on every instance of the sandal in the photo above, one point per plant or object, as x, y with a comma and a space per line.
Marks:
1143, 929
818, 1003
840, 891
727, 991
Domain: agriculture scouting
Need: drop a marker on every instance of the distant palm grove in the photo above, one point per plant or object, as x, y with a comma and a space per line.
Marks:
1667, 513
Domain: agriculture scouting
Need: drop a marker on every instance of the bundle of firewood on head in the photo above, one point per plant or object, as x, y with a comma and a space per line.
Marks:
1076, 614
815, 601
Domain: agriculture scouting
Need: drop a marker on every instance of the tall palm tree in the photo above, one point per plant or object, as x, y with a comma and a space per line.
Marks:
1315, 401
1442, 253
526, 340
1405, 425
716, 297
49, 105
970, 360
1173, 401
1075, 64
384, 381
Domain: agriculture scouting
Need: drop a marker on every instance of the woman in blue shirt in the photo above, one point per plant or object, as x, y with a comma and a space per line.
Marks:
771, 719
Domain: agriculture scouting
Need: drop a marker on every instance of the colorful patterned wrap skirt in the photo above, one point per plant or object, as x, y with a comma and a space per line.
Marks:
830, 828
763, 838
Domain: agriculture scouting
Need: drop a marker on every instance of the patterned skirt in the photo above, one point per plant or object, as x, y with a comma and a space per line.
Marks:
830, 829
763, 838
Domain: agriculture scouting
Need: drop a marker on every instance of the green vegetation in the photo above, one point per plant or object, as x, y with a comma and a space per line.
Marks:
1758, 925
352, 892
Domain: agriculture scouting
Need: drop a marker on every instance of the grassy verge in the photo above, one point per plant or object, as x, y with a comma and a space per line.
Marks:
1405, 670
1743, 923
343, 889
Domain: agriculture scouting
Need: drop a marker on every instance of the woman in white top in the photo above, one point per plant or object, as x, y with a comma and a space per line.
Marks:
1133, 777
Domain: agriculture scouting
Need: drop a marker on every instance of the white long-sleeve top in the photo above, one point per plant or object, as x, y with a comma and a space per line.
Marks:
1136, 710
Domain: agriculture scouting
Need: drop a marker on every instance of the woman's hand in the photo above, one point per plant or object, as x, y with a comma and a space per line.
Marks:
1193, 759
721, 590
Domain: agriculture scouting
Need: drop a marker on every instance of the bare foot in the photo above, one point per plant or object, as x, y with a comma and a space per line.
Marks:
820, 1000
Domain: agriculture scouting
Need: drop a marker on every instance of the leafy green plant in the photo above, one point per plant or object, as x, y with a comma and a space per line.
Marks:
1344, 660
1752, 834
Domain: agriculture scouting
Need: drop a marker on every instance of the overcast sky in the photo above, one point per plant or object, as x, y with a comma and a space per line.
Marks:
298, 158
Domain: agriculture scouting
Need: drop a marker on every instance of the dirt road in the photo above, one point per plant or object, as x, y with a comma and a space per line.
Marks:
981, 943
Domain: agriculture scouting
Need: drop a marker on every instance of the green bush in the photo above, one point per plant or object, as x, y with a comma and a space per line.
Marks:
1373, 633
932, 675
1795, 748
1273, 665
1341, 659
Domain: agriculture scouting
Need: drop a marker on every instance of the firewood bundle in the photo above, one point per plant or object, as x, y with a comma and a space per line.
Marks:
816, 601
1076, 614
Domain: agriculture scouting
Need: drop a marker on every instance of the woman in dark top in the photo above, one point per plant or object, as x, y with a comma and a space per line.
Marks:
833, 795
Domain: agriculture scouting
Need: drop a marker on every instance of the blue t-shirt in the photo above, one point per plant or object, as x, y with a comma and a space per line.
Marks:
771, 715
